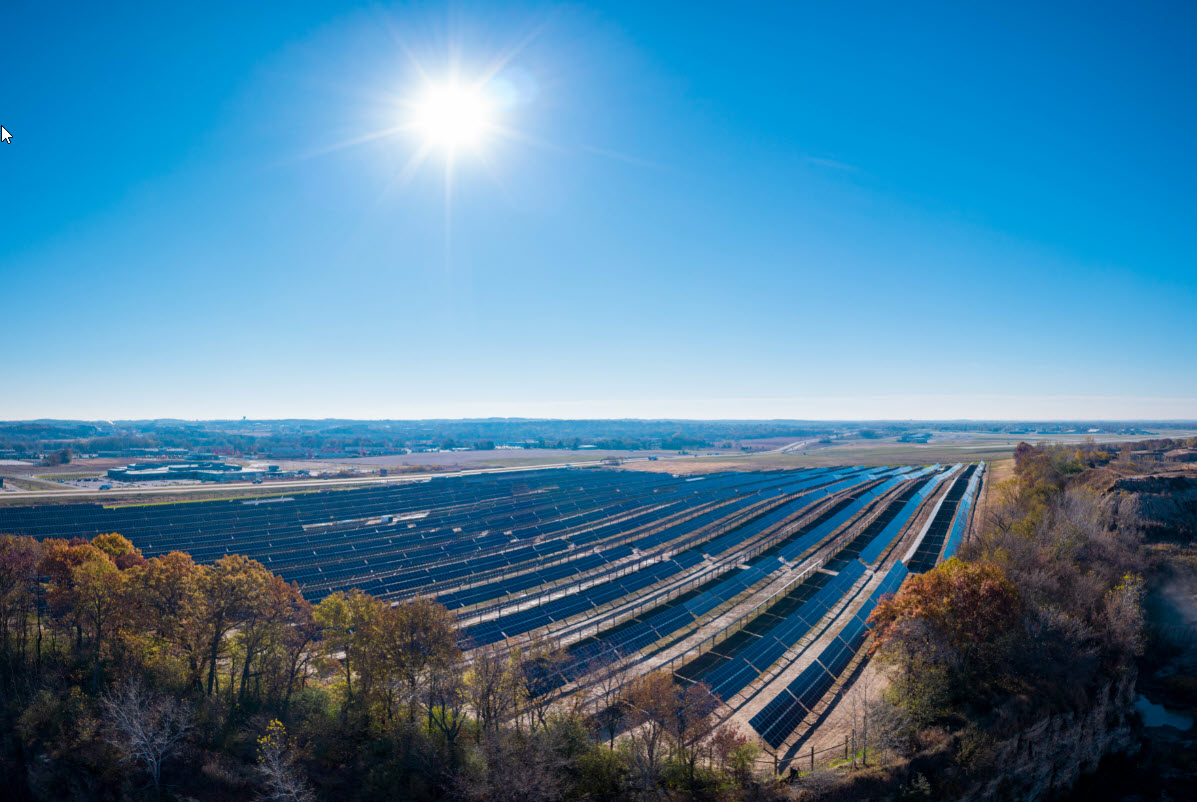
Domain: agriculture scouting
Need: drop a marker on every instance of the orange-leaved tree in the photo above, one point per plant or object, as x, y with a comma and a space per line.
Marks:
965, 601
965, 605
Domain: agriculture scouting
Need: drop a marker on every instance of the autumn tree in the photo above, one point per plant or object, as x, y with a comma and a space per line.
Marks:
346, 622
734, 753
493, 684
99, 590
967, 604
276, 608
58, 564
168, 608
446, 698
414, 638
295, 650
122, 551
228, 591
19, 558
651, 702
690, 722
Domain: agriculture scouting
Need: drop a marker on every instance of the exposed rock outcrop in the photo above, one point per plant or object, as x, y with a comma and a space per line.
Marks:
1046, 759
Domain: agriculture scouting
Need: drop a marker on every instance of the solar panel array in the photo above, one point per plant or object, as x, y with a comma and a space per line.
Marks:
738, 672
641, 633
615, 583
960, 523
927, 554
397, 540
750, 658
777, 720
515, 552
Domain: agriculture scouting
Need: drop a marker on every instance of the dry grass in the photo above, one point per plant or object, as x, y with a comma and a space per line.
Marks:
856, 452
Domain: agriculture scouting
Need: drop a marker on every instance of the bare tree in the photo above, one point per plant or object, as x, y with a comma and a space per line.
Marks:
447, 694
282, 780
860, 701
651, 704
889, 728
492, 687
690, 723
539, 670
606, 695
147, 727
519, 768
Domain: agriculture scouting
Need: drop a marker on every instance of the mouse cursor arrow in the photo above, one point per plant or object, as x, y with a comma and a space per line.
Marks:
5, 137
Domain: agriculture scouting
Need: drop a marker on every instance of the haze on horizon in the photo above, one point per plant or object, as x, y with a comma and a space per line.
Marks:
806, 212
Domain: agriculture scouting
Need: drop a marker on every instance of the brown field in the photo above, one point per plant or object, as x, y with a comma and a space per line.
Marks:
470, 460
852, 452
943, 447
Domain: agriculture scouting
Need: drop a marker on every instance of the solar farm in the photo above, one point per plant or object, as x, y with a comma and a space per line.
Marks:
759, 584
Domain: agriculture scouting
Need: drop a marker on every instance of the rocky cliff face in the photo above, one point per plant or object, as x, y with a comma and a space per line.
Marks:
1168, 504
1046, 760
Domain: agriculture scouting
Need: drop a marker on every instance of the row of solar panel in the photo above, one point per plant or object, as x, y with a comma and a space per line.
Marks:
749, 527
744, 529
870, 553
792, 551
852, 550
566, 607
963, 510
731, 676
736, 674
781, 716
927, 553
631, 638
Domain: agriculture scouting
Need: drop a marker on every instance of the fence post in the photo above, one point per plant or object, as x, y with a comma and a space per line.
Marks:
812, 758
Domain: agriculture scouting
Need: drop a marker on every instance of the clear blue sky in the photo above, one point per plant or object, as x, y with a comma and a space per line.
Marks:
816, 210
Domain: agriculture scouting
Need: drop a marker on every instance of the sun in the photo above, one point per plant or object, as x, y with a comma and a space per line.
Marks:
451, 116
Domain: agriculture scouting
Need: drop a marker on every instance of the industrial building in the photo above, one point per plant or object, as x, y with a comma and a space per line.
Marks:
204, 471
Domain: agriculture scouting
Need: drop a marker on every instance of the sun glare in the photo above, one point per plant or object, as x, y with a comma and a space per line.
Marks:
451, 117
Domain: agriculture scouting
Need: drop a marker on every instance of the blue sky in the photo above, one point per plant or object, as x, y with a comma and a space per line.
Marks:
793, 210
